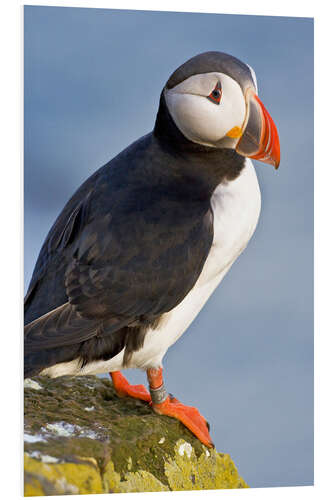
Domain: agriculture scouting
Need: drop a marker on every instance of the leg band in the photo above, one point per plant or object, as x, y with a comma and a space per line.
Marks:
158, 395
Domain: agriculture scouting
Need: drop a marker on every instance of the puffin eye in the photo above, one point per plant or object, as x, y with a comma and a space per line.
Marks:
216, 94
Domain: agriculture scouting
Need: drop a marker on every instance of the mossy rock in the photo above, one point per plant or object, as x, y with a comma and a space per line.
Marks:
80, 437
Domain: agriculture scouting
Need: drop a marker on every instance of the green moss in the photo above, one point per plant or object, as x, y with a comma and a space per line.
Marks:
125, 427
130, 448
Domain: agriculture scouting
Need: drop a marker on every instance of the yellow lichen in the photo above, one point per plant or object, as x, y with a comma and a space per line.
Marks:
214, 471
141, 481
134, 482
184, 471
32, 486
63, 478
111, 479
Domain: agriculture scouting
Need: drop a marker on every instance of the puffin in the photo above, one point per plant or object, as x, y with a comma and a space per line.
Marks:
142, 244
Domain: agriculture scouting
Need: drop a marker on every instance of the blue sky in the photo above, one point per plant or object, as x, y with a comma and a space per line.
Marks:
92, 83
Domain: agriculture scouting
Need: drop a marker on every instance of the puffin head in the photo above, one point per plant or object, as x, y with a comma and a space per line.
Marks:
212, 99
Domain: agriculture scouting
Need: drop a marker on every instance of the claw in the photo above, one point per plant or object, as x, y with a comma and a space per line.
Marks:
188, 415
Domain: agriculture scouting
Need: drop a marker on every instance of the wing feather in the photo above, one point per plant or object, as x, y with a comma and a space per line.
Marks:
65, 326
119, 254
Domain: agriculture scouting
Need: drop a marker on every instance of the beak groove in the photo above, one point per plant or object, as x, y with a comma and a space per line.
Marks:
269, 151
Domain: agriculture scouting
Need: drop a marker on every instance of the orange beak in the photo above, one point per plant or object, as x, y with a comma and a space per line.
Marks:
259, 139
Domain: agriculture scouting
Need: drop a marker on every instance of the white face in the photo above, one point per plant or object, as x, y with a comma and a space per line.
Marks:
199, 118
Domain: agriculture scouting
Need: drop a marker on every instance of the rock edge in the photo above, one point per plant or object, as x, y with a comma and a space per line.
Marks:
81, 438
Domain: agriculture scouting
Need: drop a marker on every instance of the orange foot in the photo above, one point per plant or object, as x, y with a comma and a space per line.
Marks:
124, 388
188, 415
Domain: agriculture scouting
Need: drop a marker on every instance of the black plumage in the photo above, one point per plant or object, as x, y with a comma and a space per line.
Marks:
128, 247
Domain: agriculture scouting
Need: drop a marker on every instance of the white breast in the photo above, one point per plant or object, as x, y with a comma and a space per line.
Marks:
236, 209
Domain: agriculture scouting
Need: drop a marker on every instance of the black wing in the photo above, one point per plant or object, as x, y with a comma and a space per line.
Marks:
115, 264
46, 290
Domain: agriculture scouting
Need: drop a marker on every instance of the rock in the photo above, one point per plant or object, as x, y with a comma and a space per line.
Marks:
80, 437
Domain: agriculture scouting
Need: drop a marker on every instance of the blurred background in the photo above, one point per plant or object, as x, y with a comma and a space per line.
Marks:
93, 78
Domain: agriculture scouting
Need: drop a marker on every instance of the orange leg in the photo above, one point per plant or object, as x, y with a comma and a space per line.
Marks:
165, 404
124, 388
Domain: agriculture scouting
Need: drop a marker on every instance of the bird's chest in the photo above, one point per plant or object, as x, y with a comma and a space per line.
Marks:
236, 209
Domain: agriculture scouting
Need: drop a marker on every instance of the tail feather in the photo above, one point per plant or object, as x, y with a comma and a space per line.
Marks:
63, 334
59, 327
35, 362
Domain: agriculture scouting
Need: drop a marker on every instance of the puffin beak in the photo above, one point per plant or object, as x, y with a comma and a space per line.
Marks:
259, 139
